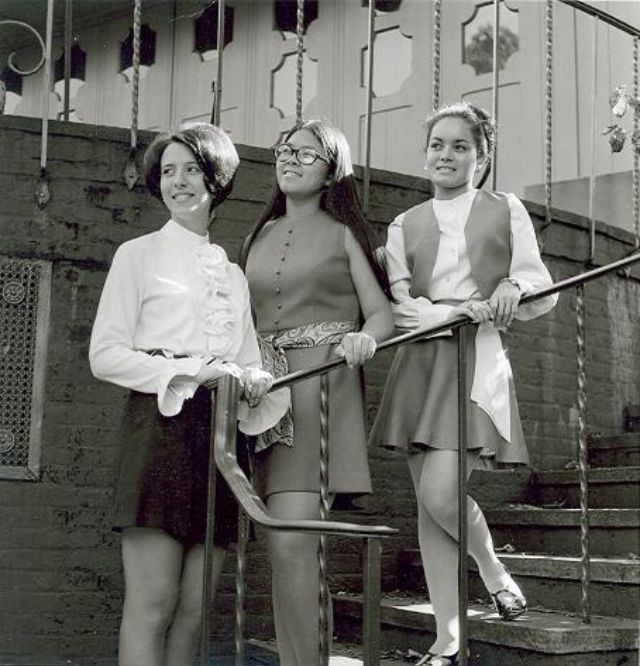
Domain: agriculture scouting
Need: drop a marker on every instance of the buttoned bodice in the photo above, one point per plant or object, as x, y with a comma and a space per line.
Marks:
299, 273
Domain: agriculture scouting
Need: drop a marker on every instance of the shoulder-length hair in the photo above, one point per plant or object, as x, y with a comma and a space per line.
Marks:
214, 153
339, 199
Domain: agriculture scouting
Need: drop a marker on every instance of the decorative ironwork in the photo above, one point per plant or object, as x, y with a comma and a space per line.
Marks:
24, 285
13, 292
10, 61
7, 440
437, 20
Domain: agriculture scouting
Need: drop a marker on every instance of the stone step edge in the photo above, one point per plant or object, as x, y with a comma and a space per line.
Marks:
564, 567
626, 440
532, 516
548, 632
595, 475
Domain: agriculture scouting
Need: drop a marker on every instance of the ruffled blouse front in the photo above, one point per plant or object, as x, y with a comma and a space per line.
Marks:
173, 291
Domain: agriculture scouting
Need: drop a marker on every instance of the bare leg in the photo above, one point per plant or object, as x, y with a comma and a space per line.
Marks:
439, 494
434, 476
152, 565
182, 639
295, 580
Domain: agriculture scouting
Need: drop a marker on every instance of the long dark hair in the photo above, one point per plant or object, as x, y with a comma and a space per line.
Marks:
339, 199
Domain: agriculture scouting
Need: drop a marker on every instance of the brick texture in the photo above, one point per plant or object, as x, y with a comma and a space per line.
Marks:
60, 576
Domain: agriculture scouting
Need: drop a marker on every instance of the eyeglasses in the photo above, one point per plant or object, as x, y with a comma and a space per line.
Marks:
304, 155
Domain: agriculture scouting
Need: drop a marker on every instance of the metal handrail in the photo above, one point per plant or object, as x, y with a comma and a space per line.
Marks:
606, 17
457, 322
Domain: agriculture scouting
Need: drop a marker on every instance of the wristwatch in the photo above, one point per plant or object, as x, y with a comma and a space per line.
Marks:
513, 282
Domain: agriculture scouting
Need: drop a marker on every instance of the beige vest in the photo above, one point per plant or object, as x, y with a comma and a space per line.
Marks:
487, 234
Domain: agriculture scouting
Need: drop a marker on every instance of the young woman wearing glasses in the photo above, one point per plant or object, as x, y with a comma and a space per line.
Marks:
318, 291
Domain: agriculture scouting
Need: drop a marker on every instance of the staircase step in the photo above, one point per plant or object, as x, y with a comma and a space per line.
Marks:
615, 450
550, 582
537, 639
607, 487
530, 529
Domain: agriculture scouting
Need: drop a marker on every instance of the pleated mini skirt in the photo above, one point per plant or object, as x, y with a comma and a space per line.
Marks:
162, 473
419, 407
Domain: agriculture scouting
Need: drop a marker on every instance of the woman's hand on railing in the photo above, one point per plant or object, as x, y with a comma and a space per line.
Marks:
504, 303
256, 383
356, 348
478, 311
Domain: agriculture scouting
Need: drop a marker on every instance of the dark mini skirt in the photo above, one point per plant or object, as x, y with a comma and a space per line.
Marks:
419, 407
162, 473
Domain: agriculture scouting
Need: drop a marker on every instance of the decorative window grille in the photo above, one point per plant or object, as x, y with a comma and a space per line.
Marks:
25, 287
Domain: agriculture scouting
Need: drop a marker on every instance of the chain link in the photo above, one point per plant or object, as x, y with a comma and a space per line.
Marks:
636, 155
324, 514
585, 573
437, 16
548, 111
299, 59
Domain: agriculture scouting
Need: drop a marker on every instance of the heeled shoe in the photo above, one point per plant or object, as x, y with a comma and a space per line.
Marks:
431, 659
509, 605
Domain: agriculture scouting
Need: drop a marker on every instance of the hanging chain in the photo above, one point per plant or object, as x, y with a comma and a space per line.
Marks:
130, 170
136, 73
299, 59
548, 111
324, 514
636, 149
437, 15
585, 573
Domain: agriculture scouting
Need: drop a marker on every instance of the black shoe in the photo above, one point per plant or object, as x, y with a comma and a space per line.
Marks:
509, 605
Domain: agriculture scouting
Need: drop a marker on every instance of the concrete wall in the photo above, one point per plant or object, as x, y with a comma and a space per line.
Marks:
60, 578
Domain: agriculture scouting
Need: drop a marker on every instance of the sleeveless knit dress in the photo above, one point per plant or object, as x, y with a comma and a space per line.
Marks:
299, 274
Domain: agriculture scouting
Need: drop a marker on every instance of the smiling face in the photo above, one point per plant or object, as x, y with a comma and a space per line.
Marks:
302, 181
452, 157
183, 188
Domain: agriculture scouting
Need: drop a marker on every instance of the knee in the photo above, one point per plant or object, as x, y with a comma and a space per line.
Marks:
289, 551
442, 507
153, 606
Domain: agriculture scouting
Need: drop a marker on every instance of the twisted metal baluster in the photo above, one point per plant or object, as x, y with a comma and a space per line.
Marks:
585, 573
636, 151
548, 111
324, 514
241, 585
130, 170
437, 20
299, 59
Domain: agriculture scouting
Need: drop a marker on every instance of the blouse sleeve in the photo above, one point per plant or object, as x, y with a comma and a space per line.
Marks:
409, 313
249, 354
111, 352
527, 267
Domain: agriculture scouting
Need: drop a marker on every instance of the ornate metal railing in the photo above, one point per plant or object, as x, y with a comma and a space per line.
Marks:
223, 454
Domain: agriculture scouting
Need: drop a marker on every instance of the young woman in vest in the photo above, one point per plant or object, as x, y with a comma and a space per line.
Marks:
173, 317
317, 290
465, 252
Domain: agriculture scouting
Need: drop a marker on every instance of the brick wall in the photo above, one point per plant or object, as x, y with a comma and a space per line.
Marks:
60, 578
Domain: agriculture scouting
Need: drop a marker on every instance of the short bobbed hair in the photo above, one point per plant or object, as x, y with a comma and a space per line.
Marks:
214, 153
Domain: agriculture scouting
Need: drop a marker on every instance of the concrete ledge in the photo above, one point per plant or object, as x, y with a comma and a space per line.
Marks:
552, 633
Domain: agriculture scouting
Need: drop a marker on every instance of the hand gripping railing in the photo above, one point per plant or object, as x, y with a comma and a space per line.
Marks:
223, 456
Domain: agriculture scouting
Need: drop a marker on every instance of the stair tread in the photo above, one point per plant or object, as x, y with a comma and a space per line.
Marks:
615, 441
594, 475
603, 569
526, 514
544, 631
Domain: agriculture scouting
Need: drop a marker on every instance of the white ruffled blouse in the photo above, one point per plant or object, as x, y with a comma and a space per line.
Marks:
172, 290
